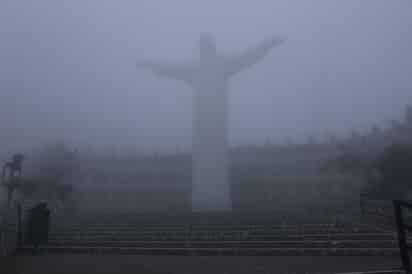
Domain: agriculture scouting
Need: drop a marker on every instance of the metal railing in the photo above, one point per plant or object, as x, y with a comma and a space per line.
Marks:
377, 212
402, 228
9, 224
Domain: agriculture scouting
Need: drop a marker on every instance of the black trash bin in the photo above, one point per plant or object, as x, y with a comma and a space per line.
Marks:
38, 221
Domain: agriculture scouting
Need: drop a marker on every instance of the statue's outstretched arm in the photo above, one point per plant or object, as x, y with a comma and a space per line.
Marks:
252, 55
175, 71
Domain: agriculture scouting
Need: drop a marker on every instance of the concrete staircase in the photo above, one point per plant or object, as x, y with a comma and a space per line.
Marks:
170, 235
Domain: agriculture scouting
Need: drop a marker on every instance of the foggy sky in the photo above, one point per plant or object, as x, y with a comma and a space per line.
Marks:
67, 69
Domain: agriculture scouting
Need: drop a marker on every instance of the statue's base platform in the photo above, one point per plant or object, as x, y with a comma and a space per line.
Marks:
214, 234
128, 264
240, 217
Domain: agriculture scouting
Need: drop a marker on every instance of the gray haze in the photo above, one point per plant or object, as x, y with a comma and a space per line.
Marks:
67, 69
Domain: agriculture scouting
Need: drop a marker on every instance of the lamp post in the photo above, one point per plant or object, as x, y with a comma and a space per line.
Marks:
11, 175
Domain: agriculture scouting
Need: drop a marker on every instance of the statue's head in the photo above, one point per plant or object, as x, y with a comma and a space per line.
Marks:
207, 45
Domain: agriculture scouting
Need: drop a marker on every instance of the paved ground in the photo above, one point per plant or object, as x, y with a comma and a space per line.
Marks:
124, 264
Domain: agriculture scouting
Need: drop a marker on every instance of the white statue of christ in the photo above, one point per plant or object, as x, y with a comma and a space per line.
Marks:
209, 78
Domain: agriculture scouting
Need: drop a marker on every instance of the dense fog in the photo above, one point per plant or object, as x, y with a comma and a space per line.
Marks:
68, 71
69, 85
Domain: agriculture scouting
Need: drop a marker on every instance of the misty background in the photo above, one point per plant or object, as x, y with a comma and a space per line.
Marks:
67, 69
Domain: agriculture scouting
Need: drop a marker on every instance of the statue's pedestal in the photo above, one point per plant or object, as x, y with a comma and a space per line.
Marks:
210, 180
210, 186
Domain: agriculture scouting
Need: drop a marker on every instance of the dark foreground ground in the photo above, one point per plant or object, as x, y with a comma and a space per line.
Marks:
124, 264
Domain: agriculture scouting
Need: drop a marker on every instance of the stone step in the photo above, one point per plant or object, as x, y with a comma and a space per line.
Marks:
221, 233
209, 226
188, 229
185, 229
227, 244
120, 222
141, 236
219, 251
394, 271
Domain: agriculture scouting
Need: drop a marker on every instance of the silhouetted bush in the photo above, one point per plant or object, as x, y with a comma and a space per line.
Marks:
395, 167
52, 172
